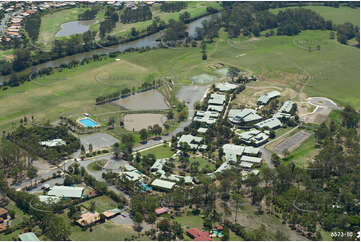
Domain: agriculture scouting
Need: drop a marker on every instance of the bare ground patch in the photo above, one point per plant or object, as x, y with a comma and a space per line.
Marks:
136, 122
149, 100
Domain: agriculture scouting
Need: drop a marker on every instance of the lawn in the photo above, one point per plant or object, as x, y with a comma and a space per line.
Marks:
50, 23
96, 165
6, 54
107, 231
162, 151
202, 162
337, 15
102, 204
190, 222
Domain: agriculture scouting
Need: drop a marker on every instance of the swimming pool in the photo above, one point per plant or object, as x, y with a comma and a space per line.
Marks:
87, 122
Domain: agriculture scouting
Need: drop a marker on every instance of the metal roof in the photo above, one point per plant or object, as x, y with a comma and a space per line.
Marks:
246, 164
130, 175
30, 236
163, 184
66, 191
190, 140
245, 115
215, 108
251, 159
286, 107
217, 99
225, 86
53, 142
265, 98
270, 123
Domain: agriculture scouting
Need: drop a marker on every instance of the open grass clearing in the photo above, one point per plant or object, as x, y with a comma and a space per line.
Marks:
96, 165
275, 60
337, 15
202, 162
6, 54
107, 231
102, 203
162, 151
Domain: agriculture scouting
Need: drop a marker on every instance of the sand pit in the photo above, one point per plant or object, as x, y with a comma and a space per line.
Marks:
149, 100
139, 121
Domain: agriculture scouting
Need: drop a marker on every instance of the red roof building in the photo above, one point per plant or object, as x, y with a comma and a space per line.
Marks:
3, 213
2, 228
198, 235
161, 210
219, 227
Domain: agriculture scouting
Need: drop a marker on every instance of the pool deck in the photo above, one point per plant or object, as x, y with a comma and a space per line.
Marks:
79, 119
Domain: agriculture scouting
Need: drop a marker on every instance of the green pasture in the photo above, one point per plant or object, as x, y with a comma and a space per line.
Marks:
304, 154
337, 15
333, 71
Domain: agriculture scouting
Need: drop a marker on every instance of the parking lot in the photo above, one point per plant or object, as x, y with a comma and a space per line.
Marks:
123, 218
98, 140
292, 142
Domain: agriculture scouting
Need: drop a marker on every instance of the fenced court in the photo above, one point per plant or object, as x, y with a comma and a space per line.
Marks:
292, 142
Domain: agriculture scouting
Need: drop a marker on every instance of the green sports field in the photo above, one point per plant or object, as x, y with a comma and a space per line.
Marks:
337, 15
333, 72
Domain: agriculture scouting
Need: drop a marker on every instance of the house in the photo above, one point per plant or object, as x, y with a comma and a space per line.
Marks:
66, 191
30, 236
265, 98
225, 86
190, 140
3, 213
111, 213
88, 219
161, 210
198, 235
272, 123
239, 116
163, 185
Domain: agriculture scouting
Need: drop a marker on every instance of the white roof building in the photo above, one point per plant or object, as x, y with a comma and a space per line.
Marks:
130, 175
66, 191
253, 137
209, 117
53, 142
202, 130
246, 115
231, 151
191, 140
49, 199
271, 123
246, 165
251, 159
216, 108
217, 99
162, 184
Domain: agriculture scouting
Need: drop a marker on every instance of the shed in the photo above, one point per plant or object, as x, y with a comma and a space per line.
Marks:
162, 184
111, 213
30, 236
161, 210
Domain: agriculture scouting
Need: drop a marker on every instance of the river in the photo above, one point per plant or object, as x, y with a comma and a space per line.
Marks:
148, 41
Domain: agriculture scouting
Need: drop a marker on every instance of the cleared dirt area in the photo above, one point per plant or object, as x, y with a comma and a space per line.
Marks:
323, 107
98, 141
136, 122
292, 142
149, 100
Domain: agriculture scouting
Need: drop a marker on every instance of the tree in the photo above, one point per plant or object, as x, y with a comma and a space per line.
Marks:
157, 130
225, 233
237, 198
82, 149
233, 72
275, 159
143, 135
92, 206
117, 150
138, 219
57, 228
90, 148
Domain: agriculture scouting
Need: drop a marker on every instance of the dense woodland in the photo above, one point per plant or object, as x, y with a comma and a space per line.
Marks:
140, 14
29, 138
172, 6
88, 14
32, 26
